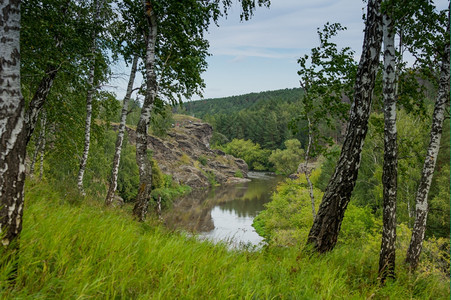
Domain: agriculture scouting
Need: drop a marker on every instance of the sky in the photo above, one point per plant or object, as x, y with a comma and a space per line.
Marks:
261, 54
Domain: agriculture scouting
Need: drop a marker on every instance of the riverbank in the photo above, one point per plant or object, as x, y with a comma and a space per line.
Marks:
84, 250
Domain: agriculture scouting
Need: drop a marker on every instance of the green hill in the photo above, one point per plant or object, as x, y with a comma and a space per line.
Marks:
233, 104
263, 118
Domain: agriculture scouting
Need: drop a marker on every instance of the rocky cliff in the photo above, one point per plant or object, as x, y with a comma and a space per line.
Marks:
185, 154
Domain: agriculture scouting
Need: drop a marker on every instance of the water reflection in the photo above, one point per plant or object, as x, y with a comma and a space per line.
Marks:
226, 212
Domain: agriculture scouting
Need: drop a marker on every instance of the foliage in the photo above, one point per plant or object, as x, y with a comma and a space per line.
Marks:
238, 174
167, 191
89, 251
327, 166
234, 104
286, 161
287, 219
412, 141
158, 178
203, 160
218, 139
161, 121
128, 176
134, 109
261, 117
255, 157
438, 223
327, 77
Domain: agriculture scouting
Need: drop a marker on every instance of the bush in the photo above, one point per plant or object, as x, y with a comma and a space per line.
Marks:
287, 219
286, 161
255, 157
203, 160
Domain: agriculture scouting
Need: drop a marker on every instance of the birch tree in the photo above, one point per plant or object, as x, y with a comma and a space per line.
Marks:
326, 226
120, 136
421, 201
42, 145
17, 123
39, 147
390, 167
142, 160
12, 125
175, 56
90, 93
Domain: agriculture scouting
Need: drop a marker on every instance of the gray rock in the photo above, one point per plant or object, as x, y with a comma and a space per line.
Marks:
178, 155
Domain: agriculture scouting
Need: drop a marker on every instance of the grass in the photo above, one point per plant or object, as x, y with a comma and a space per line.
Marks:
82, 250
184, 118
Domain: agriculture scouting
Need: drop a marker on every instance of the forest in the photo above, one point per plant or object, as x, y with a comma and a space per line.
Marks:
89, 183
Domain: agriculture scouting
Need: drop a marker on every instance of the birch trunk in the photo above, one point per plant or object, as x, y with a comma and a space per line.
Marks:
39, 98
12, 125
41, 164
120, 135
326, 226
35, 155
38, 145
390, 168
91, 90
144, 166
421, 204
303, 167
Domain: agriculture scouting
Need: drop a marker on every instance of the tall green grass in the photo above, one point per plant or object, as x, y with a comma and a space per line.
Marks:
73, 250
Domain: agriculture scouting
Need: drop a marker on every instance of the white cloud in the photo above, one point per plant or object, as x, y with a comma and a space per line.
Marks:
287, 25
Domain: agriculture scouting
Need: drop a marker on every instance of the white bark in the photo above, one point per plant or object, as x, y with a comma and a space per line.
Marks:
390, 173
144, 166
421, 204
303, 167
120, 135
91, 91
324, 232
12, 125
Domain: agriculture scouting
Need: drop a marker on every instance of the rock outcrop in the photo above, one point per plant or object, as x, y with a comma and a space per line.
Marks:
185, 154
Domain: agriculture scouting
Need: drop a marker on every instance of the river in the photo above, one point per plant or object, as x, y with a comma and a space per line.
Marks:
225, 213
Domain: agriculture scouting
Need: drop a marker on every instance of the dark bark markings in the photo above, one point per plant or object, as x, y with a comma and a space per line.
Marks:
421, 204
144, 166
12, 126
390, 168
120, 135
324, 232
91, 90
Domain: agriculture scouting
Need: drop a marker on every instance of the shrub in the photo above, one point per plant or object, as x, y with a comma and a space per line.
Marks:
203, 160
287, 219
286, 161
255, 157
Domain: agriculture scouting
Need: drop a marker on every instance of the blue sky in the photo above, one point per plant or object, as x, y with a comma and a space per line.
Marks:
261, 54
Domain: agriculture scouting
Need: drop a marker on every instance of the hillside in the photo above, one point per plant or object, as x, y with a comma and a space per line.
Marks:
267, 118
232, 104
185, 154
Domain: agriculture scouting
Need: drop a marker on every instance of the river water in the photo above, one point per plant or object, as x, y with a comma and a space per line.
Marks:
225, 213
